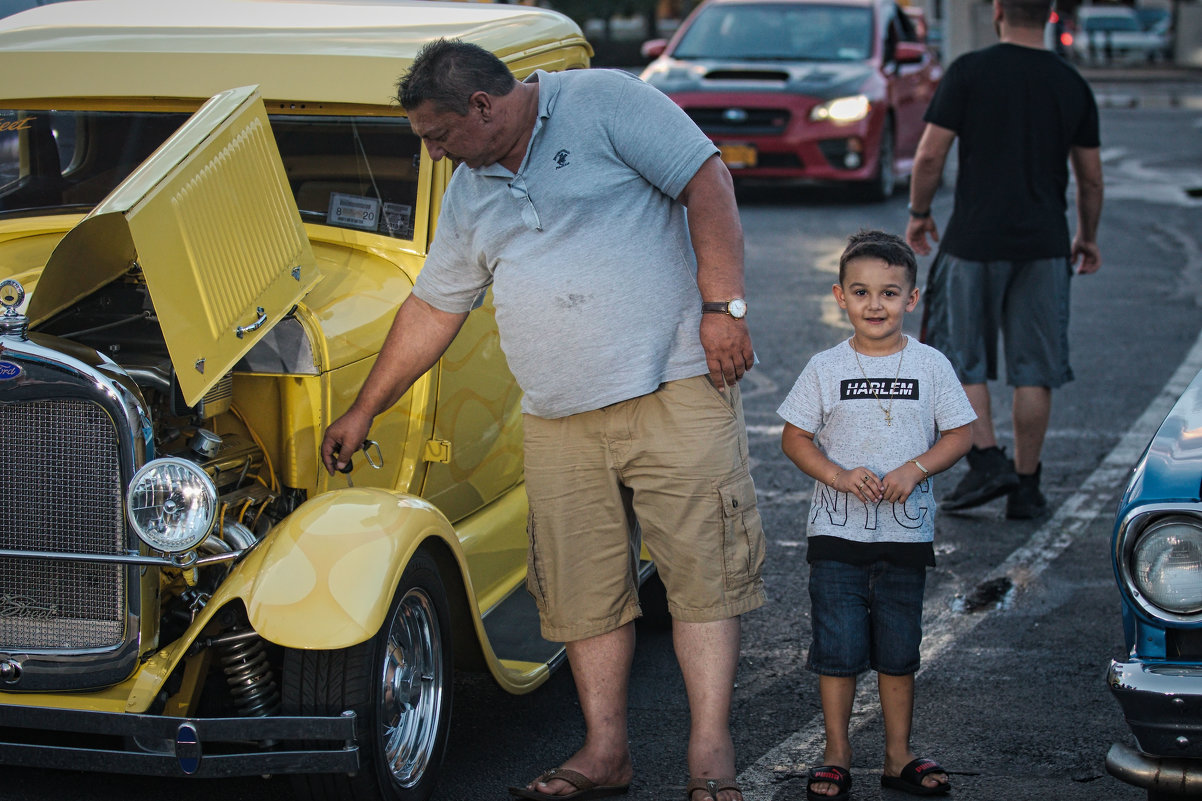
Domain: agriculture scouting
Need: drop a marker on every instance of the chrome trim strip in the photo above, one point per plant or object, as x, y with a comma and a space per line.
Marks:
114, 559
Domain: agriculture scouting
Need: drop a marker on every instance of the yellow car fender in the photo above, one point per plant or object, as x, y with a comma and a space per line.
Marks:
325, 576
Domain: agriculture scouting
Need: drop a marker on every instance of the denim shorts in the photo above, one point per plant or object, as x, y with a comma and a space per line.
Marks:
865, 616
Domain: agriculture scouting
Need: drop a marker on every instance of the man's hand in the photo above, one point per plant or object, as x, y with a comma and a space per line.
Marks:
344, 436
1086, 256
917, 231
728, 351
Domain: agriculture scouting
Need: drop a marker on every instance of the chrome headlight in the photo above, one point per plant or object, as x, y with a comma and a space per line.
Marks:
842, 109
171, 503
1166, 565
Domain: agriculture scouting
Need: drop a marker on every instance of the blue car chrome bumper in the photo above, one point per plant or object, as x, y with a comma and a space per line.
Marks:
1162, 703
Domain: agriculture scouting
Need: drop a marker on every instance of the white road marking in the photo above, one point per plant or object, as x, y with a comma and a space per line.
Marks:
944, 626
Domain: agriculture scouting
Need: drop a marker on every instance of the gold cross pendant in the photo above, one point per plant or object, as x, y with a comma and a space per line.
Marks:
888, 419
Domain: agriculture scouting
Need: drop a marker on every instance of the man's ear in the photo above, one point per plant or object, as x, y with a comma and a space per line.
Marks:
482, 102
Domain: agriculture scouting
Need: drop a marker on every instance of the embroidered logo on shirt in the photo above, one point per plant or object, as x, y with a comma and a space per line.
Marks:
561, 159
859, 388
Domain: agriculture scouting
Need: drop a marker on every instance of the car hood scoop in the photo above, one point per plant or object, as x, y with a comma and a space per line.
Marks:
211, 222
826, 78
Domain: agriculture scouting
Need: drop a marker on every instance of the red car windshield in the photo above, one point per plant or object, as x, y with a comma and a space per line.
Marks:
778, 32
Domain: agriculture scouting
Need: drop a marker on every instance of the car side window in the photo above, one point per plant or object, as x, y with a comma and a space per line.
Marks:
352, 172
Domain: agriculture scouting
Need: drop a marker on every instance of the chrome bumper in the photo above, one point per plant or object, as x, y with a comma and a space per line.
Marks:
1163, 707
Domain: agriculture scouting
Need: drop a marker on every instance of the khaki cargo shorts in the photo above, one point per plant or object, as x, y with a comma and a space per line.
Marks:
672, 464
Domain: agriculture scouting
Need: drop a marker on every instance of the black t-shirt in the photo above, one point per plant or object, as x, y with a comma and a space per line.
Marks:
1016, 111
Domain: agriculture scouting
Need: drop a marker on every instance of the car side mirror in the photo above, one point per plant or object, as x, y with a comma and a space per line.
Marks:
653, 48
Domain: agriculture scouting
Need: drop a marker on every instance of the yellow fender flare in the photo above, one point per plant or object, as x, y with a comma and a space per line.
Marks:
325, 576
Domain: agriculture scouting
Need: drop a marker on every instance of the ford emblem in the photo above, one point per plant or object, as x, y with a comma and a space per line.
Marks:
735, 115
9, 370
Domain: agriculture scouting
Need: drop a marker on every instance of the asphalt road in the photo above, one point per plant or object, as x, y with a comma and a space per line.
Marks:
1022, 617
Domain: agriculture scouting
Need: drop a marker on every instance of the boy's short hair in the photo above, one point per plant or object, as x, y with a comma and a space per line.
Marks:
447, 72
891, 249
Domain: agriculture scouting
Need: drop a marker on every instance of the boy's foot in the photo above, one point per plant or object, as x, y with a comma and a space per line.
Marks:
1026, 502
990, 475
919, 777
828, 783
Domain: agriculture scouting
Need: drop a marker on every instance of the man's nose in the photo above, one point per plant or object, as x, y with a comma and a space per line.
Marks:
435, 152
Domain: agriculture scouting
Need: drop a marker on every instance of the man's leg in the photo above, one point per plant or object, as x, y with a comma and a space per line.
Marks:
601, 669
1032, 410
982, 428
708, 654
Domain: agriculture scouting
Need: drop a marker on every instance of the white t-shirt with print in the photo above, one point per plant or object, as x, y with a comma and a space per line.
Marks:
833, 399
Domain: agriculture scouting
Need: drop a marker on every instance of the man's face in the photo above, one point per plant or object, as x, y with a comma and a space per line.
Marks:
465, 138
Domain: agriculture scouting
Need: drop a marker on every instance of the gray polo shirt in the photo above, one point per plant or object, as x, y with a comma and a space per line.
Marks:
588, 253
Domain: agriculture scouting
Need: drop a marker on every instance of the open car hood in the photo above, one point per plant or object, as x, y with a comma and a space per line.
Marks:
211, 222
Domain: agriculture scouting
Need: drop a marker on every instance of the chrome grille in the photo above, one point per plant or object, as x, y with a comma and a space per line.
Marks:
60, 483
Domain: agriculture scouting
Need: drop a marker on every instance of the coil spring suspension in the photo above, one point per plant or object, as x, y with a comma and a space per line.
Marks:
252, 683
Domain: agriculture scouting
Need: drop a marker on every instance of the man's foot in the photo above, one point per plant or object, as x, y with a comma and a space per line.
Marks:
828, 783
1027, 502
990, 475
918, 777
604, 777
706, 789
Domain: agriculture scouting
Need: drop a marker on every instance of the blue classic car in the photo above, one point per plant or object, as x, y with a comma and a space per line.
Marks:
1157, 554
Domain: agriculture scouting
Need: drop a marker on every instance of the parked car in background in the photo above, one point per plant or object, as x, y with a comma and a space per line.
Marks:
1114, 34
1157, 555
8, 7
816, 90
209, 215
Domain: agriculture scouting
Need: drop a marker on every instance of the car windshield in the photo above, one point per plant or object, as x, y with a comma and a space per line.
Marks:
350, 172
778, 31
1115, 23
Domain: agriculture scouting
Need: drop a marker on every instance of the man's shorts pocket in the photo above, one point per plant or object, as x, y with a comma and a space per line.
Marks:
743, 533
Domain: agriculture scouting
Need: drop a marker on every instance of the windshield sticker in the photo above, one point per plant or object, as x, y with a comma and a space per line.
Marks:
353, 211
398, 220
23, 124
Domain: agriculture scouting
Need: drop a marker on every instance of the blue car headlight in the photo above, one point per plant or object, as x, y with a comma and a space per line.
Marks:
1166, 565
172, 504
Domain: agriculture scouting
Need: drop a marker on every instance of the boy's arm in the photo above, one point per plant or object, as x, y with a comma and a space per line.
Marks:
798, 445
947, 450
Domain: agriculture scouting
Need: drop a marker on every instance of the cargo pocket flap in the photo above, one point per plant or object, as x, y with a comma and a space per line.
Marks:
738, 496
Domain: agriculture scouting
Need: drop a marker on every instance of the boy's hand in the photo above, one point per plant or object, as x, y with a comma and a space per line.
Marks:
899, 483
861, 482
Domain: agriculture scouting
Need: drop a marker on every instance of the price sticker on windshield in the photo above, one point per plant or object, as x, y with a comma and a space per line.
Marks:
353, 211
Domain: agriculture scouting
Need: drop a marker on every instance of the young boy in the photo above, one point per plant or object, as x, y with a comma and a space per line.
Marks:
871, 420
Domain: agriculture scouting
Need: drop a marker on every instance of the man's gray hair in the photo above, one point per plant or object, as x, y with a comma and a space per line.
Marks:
447, 72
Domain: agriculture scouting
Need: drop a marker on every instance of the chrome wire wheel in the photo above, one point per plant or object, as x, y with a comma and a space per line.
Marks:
413, 688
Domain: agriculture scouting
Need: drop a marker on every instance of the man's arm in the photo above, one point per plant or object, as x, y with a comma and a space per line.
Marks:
717, 236
418, 336
1087, 169
933, 148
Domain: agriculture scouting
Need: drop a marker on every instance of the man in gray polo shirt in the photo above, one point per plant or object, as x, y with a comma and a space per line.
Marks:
571, 203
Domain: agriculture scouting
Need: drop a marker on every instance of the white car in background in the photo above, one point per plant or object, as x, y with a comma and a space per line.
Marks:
1113, 34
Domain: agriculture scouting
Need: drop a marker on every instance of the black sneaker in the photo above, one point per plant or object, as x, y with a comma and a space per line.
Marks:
1026, 502
990, 475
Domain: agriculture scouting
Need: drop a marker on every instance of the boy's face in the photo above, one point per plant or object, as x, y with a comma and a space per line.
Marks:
876, 296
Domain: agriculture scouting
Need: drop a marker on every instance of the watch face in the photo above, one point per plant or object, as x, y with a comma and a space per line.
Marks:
737, 308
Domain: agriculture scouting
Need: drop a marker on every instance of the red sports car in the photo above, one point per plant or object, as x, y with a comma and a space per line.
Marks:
816, 90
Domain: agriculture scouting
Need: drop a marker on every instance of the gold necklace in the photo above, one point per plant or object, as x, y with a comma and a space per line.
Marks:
888, 412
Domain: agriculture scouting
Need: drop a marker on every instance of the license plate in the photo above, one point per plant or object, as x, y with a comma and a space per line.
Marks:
738, 155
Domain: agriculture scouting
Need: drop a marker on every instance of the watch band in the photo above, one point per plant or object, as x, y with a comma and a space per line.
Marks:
735, 307
918, 464
919, 215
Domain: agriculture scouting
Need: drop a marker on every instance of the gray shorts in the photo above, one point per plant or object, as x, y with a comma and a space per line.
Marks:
967, 302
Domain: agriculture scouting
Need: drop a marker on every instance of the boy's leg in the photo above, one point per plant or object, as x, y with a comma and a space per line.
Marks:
838, 694
708, 654
897, 708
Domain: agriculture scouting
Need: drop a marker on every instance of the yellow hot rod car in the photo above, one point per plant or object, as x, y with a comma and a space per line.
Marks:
209, 213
